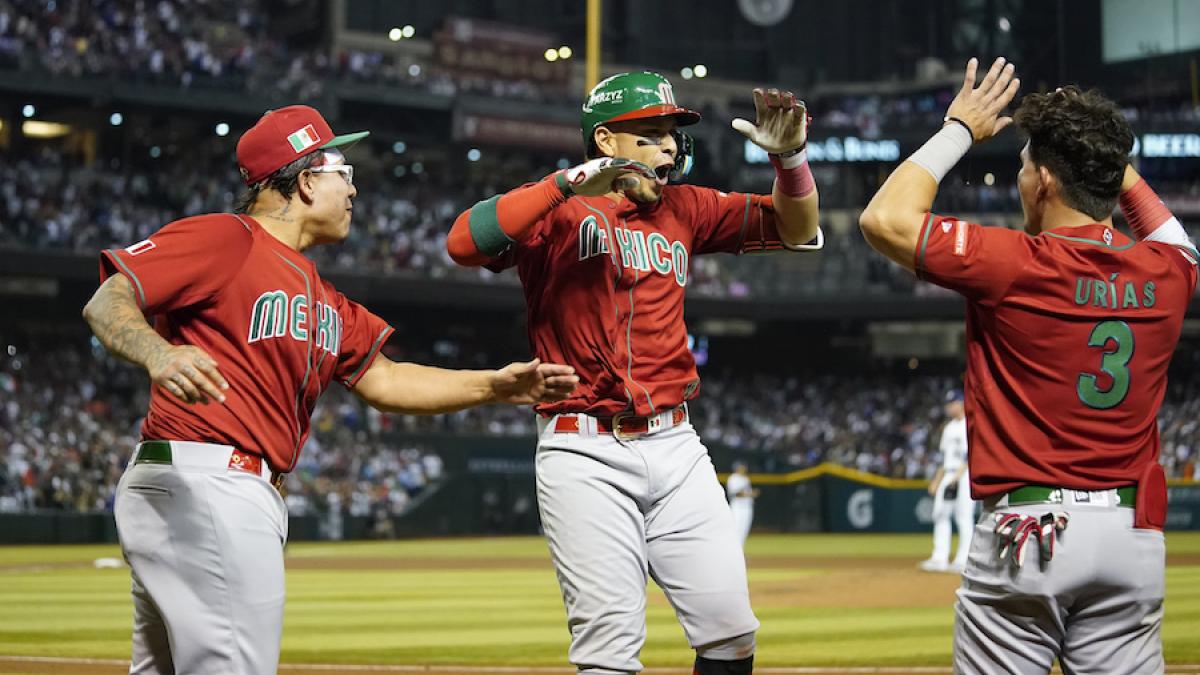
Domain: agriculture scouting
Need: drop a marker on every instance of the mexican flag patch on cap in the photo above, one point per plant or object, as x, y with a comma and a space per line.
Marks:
304, 139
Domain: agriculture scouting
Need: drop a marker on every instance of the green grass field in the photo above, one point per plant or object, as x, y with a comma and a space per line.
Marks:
830, 600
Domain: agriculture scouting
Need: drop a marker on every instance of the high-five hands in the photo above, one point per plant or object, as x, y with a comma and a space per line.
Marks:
781, 124
979, 107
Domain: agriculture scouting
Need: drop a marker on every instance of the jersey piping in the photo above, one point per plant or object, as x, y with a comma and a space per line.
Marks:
307, 364
745, 222
629, 342
1095, 242
924, 242
369, 357
137, 284
607, 231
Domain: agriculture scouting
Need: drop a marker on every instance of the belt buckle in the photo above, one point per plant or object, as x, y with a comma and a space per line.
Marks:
616, 428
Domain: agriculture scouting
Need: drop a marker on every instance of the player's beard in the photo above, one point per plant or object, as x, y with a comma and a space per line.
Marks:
645, 192
1033, 220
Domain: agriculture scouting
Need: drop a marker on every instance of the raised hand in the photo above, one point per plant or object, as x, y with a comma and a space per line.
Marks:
781, 124
188, 373
606, 174
980, 107
533, 382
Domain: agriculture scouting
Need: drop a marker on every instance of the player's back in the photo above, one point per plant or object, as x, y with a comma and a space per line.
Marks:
1068, 357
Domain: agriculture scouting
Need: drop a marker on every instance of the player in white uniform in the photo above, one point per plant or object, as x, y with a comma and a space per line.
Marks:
741, 500
951, 491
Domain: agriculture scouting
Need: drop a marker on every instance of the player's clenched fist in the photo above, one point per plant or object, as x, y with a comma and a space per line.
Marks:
781, 124
189, 373
601, 176
533, 382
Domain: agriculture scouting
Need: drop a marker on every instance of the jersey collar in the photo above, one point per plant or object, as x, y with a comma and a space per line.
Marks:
1091, 233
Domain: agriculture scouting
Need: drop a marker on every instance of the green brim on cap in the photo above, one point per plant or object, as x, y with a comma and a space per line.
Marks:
346, 139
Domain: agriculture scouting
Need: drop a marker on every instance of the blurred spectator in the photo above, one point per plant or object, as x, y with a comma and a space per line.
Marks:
69, 418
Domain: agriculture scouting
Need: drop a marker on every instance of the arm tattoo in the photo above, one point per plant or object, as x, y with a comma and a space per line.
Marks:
120, 325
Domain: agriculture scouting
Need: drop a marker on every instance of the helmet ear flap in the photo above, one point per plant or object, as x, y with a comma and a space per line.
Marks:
685, 156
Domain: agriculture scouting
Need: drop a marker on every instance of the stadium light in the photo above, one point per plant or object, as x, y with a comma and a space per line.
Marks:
155, 152
1004, 24
473, 155
408, 31
686, 73
399, 147
116, 119
414, 70
564, 52
989, 178
395, 34
222, 129
28, 111
399, 171
700, 70
418, 167
563, 163
551, 54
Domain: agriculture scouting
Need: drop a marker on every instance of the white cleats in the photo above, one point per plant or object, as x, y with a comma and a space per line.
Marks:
932, 565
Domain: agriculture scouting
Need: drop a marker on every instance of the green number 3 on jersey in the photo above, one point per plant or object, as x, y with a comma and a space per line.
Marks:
1114, 363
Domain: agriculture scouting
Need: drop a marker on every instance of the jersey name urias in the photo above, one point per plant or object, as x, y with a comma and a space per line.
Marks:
278, 332
1069, 335
604, 285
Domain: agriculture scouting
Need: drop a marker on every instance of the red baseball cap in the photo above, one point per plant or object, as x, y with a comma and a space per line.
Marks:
282, 136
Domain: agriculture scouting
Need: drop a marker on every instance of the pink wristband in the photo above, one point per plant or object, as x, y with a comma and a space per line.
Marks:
1143, 209
792, 174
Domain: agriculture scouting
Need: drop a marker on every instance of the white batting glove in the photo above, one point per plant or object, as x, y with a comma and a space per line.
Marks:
782, 123
607, 174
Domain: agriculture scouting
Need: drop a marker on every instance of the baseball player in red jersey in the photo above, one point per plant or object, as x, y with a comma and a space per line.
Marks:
246, 337
1070, 328
625, 486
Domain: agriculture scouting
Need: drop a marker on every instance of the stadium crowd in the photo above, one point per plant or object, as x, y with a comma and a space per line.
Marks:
69, 420
228, 44
53, 200
211, 44
70, 415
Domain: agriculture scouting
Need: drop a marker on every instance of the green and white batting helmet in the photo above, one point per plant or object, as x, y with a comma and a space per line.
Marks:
631, 96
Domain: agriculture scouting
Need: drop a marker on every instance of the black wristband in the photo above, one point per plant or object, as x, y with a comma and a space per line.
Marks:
966, 126
792, 152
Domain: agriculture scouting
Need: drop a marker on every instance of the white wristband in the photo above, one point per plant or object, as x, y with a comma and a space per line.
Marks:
793, 160
941, 152
1170, 232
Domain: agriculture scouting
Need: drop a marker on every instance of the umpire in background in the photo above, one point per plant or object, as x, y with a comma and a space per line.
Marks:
1070, 328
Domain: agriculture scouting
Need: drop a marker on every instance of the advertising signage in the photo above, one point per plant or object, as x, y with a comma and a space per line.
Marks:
844, 149
855, 149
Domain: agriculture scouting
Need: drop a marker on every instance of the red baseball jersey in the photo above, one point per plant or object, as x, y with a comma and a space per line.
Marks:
1069, 335
604, 286
278, 332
